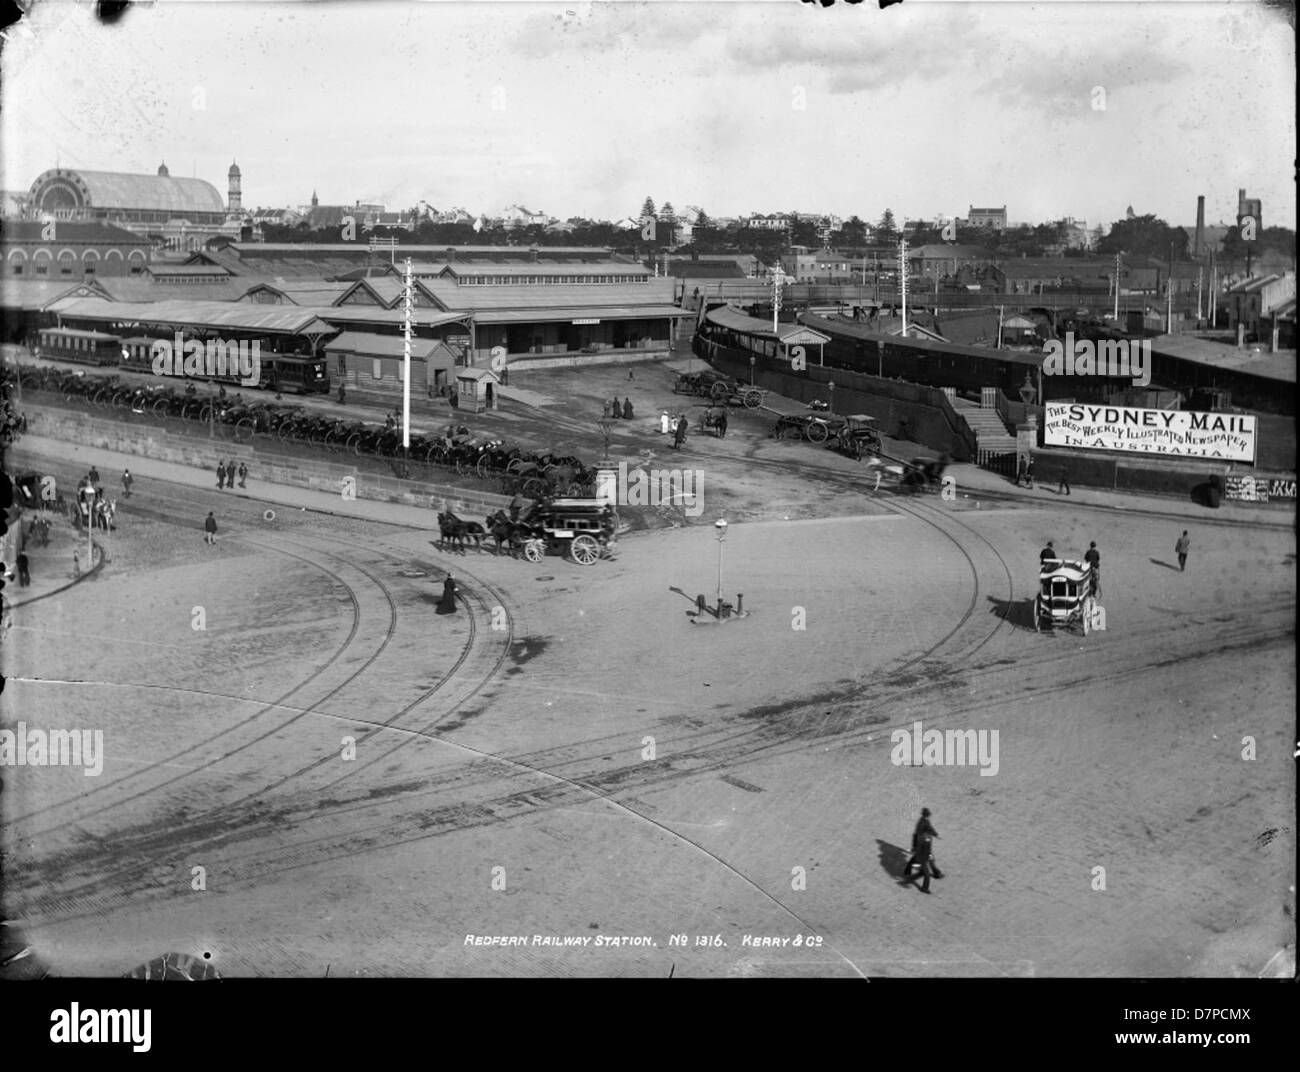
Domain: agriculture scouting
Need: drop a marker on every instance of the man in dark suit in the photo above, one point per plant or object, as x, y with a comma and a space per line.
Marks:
1046, 555
923, 833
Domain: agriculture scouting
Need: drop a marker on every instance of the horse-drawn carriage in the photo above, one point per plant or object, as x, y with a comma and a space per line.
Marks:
856, 437
1066, 596
723, 390
584, 529
813, 427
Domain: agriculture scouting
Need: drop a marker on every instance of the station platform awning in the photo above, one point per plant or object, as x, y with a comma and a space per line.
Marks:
268, 319
786, 334
594, 314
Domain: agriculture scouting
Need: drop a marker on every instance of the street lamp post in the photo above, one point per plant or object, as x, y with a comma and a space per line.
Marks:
752, 362
721, 527
830, 386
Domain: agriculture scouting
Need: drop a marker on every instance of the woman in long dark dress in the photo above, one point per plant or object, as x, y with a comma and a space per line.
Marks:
447, 604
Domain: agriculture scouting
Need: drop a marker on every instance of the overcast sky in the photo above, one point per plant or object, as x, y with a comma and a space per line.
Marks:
584, 109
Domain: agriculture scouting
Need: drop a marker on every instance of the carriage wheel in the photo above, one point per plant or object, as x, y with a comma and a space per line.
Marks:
752, 399
1038, 627
354, 443
585, 550
160, 407
245, 428
1087, 615
533, 486
285, 432
818, 432
483, 467
719, 391
516, 466
534, 550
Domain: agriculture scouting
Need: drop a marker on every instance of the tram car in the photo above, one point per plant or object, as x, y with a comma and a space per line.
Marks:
1065, 596
73, 344
299, 373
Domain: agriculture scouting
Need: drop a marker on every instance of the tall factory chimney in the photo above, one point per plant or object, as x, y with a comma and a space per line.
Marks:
1199, 243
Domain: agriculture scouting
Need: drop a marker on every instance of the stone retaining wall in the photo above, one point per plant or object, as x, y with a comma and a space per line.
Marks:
267, 465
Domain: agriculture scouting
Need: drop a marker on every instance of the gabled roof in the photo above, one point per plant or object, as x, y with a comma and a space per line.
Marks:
127, 288
37, 295
372, 345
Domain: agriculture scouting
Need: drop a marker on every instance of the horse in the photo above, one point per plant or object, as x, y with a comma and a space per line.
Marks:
451, 529
502, 531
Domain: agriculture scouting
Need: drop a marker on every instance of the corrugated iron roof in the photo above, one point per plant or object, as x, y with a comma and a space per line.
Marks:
551, 296
36, 295
274, 319
372, 345
734, 320
1225, 356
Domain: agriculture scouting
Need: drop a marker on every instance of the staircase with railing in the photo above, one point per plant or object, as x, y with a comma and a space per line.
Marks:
995, 447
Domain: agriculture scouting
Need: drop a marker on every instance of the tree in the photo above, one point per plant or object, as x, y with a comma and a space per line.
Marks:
854, 232
804, 233
648, 209
703, 219
887, 225
668, 214
1144, 236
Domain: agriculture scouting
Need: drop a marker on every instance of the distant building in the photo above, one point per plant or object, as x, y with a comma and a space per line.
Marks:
996, 218
176, 213
1258, 300
70, 250
767, 223
519, 216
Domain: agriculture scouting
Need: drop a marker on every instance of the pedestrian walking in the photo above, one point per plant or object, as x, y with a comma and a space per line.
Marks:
679, 437
221, 474
664, 422
1064, 483
1029, 472
447, 604
94, 476
210, 529
618, 407
1181, 548
76, 563
606, 408
1093, 558
627, 409
343, 395
629, 375
24, 567
924, 859
230, 473
924, 829
243, 474
127, 481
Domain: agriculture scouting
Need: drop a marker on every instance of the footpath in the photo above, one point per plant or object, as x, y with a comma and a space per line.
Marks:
974, 481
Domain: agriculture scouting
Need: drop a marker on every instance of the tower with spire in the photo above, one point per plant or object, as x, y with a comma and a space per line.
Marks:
162, 170
235, 206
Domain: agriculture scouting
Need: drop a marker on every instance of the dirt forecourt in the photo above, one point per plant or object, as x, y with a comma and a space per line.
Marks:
569, 777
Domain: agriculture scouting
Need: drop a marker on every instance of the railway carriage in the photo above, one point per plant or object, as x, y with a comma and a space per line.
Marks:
73, 344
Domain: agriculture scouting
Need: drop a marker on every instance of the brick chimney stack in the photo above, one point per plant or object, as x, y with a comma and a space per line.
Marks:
1199, 243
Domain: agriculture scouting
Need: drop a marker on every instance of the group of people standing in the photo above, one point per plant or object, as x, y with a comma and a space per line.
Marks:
622, 410
226, 474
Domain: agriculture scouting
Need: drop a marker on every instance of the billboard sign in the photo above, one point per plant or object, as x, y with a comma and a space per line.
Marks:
1174, 433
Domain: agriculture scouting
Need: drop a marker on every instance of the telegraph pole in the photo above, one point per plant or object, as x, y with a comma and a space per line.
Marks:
777, 276
1117, 272
902, 279
406, 362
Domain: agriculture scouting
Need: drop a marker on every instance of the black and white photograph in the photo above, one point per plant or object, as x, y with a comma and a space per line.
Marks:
649, 491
